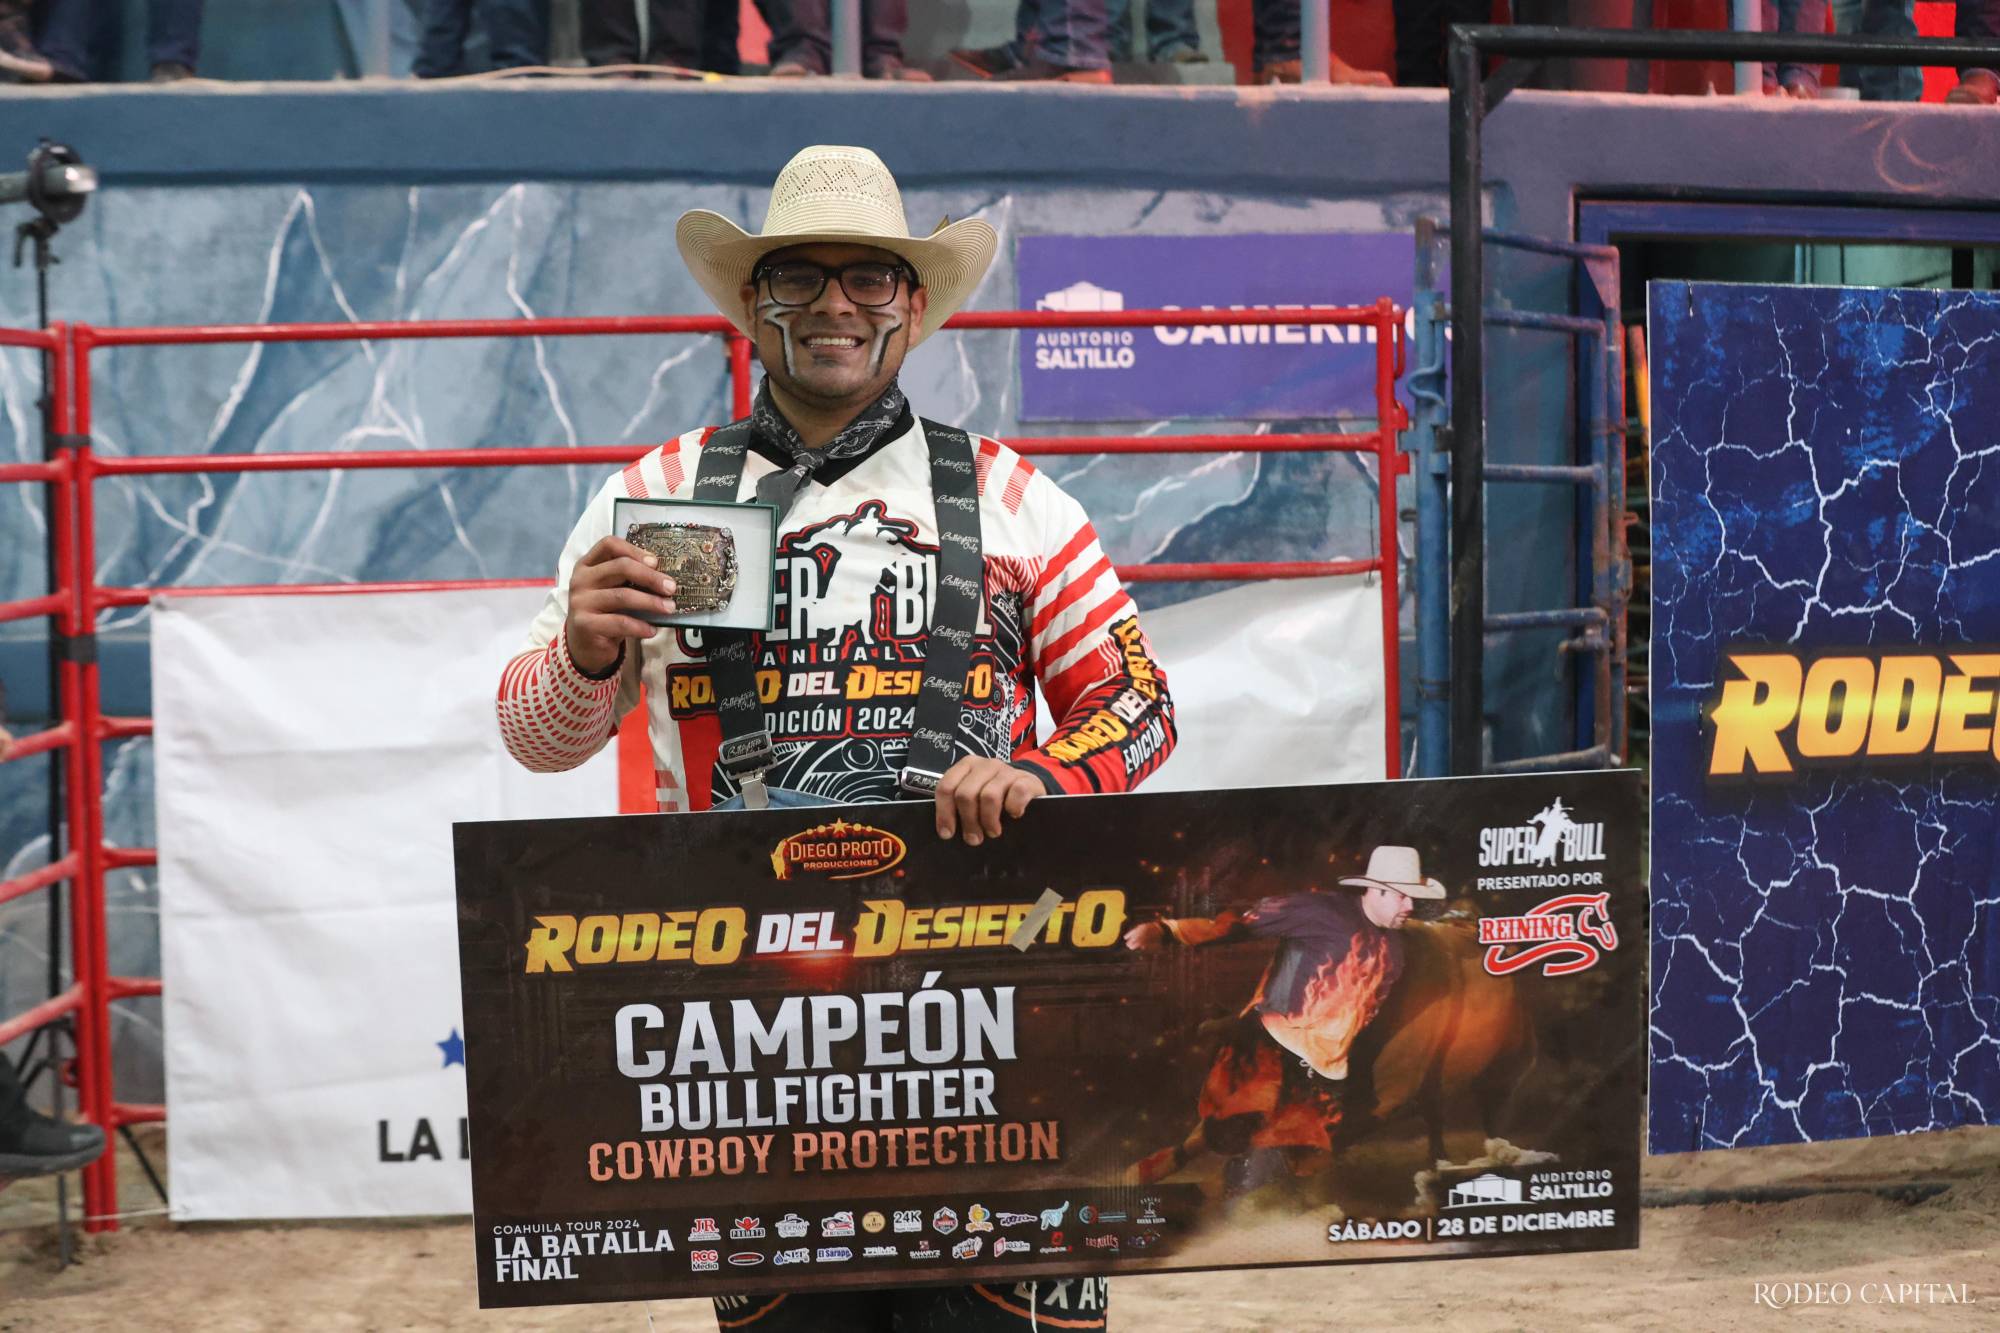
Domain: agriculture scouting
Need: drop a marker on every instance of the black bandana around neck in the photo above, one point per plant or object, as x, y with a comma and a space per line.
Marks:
856, 438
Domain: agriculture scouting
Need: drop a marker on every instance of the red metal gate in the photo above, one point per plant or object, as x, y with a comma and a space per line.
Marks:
76, 599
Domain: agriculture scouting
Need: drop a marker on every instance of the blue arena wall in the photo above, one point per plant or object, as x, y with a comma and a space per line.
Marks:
248, 203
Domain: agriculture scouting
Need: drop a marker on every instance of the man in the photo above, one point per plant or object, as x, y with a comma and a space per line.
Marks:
834, 292
70, 30
18, 57
517, 35
1070, 41
1279, 1087
808, 49
32, 1144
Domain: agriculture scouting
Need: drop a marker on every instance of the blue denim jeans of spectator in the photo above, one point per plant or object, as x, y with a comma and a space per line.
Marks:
810, 38
1170, 29
1880, 18
517, 34
70, 33
1075, 34
1274, 31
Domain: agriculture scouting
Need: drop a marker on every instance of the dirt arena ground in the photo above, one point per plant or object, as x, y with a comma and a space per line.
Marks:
1924, 1209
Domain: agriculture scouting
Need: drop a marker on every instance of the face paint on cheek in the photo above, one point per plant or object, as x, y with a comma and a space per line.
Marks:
780, 317
883, 333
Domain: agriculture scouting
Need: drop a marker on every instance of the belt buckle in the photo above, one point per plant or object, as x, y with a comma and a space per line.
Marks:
919, 781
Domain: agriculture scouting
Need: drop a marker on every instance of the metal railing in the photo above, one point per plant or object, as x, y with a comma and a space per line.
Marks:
76, 599
1474, 93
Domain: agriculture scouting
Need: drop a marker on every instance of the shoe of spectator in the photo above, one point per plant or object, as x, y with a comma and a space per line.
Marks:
1338, 71
792, 69
1037, 70
888, 67
18, 55
1186, 55
1981, 87
989, 62
171, 71
32, 1144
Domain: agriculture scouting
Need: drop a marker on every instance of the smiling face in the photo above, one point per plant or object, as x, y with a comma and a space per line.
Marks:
1386, 907
833, 355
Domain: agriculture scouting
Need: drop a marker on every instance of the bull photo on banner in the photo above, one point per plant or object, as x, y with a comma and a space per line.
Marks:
816, 1048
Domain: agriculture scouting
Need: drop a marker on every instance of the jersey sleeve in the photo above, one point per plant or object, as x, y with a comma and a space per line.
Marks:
1114, 720
552, 716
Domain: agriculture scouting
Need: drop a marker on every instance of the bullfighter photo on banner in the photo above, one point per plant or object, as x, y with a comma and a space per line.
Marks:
819, 1048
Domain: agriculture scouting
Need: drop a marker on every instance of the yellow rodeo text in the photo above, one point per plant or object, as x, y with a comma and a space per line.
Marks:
1784, 711
712, 937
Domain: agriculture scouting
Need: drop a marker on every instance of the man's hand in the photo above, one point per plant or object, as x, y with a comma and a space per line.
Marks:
6, 742
974, 794
607, 589
1146, 935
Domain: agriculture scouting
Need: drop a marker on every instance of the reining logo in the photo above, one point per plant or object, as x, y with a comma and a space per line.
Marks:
1561, 943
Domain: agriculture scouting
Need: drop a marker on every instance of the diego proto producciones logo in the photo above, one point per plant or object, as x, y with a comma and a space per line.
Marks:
839, 850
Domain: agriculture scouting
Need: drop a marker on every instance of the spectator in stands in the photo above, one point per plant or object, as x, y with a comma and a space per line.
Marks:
32, 1144
1069, 40
1978, 20
1796, 16
1420, 37
1880, 18
18, 55
1171, 35
1275, 53
173, 37
722, 32
806, 48
609, 30
1057, 41
517, 34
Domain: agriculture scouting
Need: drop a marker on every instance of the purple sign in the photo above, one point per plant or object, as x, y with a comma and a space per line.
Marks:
1240, 372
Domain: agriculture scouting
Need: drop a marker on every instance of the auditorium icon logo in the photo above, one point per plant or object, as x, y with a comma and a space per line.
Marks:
1484, 1191
1082, 296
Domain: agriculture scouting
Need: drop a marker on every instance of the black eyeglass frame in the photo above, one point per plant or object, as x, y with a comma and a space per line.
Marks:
901, 271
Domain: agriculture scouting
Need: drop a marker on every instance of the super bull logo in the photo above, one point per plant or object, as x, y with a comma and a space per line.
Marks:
1550, 838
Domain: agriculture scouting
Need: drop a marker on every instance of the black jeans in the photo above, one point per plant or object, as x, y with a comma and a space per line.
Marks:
610, 33
517, 34
1069, 1303
1420, 30
810, 40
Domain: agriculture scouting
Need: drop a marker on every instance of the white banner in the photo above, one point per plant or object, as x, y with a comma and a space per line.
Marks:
311, 754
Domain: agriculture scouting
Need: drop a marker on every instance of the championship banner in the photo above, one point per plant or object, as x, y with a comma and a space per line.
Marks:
822, 1048
1826, 932
1247, 372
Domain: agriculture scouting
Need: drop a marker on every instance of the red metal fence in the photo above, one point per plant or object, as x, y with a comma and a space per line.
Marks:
77, 599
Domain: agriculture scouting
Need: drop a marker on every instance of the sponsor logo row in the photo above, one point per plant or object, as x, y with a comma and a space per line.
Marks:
980, 1224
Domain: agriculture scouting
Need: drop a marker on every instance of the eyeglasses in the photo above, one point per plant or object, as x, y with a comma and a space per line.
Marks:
800, 281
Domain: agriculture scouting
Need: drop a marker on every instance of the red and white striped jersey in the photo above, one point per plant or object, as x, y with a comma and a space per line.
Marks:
856, 571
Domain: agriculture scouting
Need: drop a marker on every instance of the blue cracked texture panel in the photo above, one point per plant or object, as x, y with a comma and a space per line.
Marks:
1826, 950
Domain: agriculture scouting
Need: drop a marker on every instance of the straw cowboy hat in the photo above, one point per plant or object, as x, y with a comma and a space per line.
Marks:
832, 193
1397, 868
